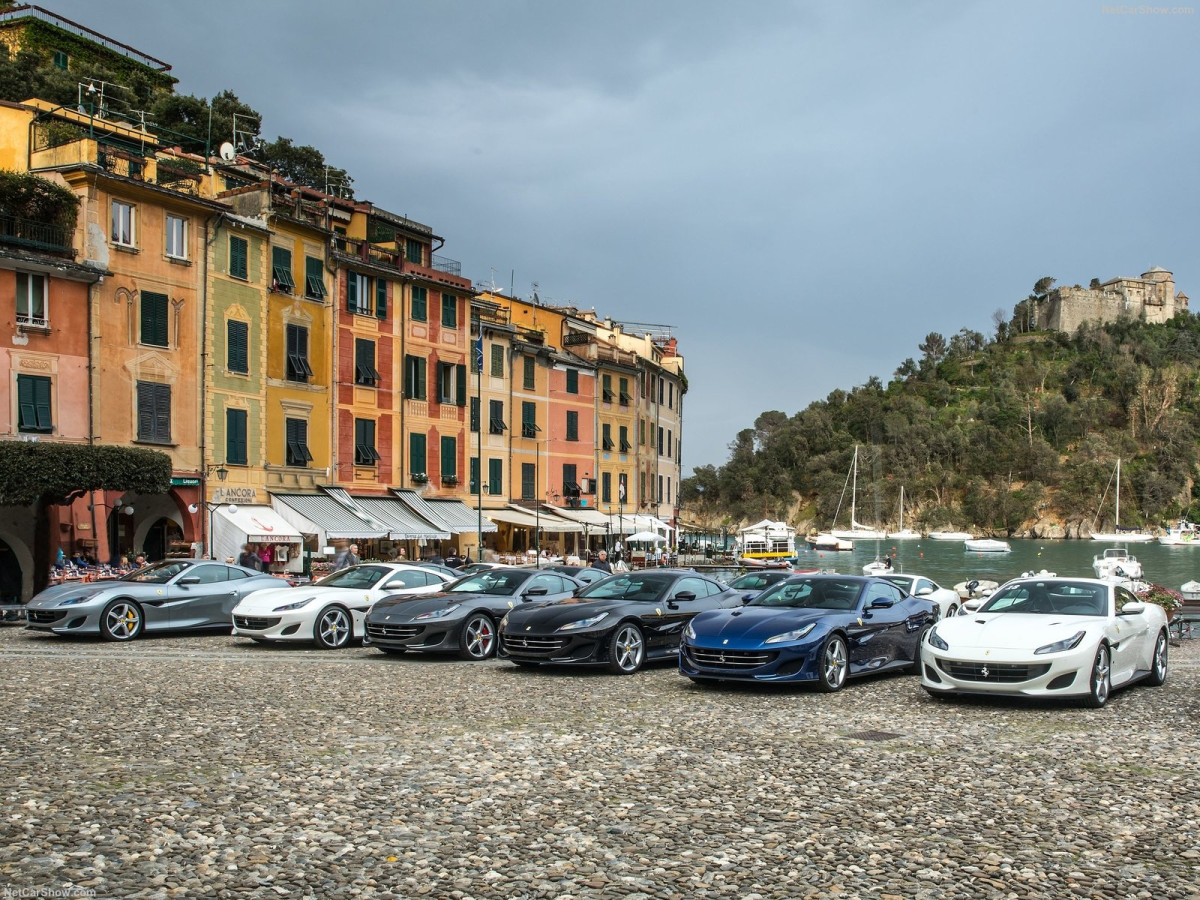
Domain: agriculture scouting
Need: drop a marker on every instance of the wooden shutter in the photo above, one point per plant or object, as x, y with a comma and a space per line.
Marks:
416, 453
238, 350
381, 297
235, 436
154, 319
460, 384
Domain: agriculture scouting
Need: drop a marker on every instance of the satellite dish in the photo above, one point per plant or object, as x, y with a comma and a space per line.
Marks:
227, 152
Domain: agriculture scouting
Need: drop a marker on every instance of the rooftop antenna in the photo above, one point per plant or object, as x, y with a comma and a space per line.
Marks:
245, 137
536, 299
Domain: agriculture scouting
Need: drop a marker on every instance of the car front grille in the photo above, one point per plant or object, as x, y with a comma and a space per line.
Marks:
256, 623
395, 632
532, 643
44, 616
992, 673
731, 659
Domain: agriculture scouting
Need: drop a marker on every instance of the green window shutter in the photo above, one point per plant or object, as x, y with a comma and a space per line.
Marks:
569, 488
496, 424
154, 412
528, 481
474, 413
154, 319
314, 278
460, 384
449, 311
497, 361
239, 257
420, 304
606, 487
416, 454
530, 377
297, 442
351, 292
281, 270
495, 477
298, 368
381, 298
529, 427
237, 350
412, 251
33, 404
572, 425
572, 381
474, 485
235, 437
449, 461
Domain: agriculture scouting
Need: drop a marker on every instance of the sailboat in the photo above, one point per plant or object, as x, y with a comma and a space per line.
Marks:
1118, 536
858, 531
904, 534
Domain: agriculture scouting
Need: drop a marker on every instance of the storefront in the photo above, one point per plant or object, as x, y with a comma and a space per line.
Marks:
275, 540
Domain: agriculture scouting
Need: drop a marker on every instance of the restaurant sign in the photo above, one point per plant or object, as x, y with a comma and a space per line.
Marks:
235, 495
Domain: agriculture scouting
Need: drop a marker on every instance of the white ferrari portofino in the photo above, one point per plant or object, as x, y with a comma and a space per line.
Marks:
1048, 637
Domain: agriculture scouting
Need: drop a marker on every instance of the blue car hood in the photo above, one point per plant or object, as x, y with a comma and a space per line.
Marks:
751, 625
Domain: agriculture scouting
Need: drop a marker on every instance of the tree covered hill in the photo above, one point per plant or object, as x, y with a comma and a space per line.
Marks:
1017, 435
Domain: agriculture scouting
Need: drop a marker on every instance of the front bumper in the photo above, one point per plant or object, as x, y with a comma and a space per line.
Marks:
1014, 673
434, 636
295, 625
799, 662
560, 647
63, 620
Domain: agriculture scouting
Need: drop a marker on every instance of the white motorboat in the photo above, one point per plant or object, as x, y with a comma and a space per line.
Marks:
973, 593
1117, 563
1119, 536
826, 541
857, 531
878, 567
1190, 590
904, 534
987, 545
1185, 534
951, 536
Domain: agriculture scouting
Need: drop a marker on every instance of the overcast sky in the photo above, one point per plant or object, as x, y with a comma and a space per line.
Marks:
801, 190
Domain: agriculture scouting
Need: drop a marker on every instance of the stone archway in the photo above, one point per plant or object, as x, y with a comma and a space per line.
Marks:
16, 570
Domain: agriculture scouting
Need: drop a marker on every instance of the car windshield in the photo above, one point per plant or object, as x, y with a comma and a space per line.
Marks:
159, 573
1059, 598
355, 577
638, 586
756, 581
497, 582
901, 581
810, 593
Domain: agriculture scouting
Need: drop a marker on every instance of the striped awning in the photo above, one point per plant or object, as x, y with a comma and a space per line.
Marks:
452, 515
323, 516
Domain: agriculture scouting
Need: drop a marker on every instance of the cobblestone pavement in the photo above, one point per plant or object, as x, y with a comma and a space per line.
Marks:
208, 766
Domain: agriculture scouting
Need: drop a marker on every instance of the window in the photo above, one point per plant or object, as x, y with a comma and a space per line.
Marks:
235, 437
572, 381
176, 237
496, 477
314, 278
60, 60
474, 483
668, 489
153, 412
528, 481
413, 251
624, 435
607, 391
298, 368
670, 398
365, 453
296, 434
660, 381
452, 383
154, 319
420, 304
660, 489
358, 293
624, 393
381, 306
570, 487
33, 404
606, 487
31, 300
474, 413
281, 270
237, 349
529, 382
622, 487
449, 461
414, 378
449, 311
572, 425
496, 417
660, 441
606, 436
239, 254
670, 447
497, 361
122, 223
529, 426
416, 453
364, 363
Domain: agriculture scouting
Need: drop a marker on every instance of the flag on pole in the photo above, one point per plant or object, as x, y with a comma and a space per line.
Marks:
479, 353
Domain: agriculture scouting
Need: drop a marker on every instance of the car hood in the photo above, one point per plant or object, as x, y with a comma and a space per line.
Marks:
52, 597
401, 607
757, 623
1012, 631
265, 601
550, 616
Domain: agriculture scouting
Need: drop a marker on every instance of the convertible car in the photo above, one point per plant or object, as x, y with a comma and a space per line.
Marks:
174, 594
330, 612
462, 618
819, 628
620, 621
1049, 637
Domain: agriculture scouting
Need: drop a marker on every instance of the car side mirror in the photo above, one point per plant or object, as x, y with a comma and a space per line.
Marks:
924, 592
188, 579
746, 598
536, 592
881, 603
1133, 608
685, 595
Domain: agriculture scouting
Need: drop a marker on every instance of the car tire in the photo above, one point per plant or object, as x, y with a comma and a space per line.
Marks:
122, 620
1100, 683
952, 611
832, 662
477, 640
914, 667
333, 628
1158, 664
626, 650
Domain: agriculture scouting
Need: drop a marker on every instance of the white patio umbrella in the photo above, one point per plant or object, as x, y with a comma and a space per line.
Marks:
645, 536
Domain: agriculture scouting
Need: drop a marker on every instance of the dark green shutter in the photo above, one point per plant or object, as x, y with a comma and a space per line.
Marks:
572, 425
495, 477
314, 278
474, 486
572, 381
281, 269
154, 412
235, 436
474, 413
351, 292
238, 350
416, 453
460, 384
420, 304
449, 460
33, 402
238, 257
154, 319
381, 298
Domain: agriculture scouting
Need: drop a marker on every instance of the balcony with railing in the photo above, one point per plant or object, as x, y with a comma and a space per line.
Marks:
444, 270
34, 235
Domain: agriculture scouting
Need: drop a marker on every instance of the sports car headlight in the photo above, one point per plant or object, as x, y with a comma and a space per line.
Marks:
1059, 646
936, 641
689, 632
791, 635
297, 605
582, 623
439, 613
73, 601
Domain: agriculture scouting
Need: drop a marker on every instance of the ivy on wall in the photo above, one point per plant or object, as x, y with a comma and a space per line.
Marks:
30, 197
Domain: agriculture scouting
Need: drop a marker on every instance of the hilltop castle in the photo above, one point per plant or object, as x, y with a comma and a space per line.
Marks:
1150, 298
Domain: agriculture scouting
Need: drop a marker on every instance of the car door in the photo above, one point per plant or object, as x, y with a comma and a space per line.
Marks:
879, 627
409, 581
685, 598
201, 595
1129, 638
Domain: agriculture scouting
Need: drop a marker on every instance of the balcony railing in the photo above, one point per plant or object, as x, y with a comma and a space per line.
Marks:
447, 265
36, 235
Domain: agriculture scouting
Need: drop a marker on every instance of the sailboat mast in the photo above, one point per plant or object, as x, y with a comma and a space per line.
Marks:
854, 490
1117, 523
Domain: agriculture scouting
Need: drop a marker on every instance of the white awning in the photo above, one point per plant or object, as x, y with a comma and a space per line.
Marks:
260, 524
590, 517
546, 521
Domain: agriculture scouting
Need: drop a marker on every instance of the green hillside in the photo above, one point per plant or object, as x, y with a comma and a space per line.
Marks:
1010, 436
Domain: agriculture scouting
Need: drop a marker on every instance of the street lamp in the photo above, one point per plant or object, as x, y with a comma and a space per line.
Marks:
209, 507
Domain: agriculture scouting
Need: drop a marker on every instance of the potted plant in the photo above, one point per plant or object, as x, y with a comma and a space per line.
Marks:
419, 477
1168, 599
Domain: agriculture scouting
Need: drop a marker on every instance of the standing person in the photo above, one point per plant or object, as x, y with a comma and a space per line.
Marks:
347, 558
248, 558
265, 556
601, 562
